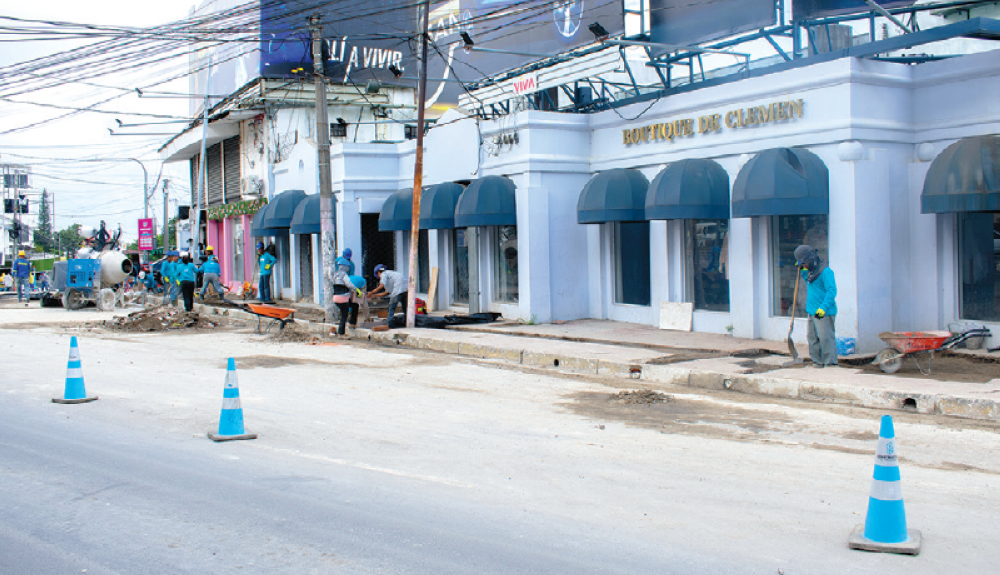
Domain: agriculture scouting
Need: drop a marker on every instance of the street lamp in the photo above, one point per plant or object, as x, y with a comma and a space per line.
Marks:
145, 188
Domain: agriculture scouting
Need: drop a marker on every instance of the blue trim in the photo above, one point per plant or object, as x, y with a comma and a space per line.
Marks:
617, 195
886, 521
886, 429
883, 473
281, 209
692, 189
488, 201
782, 182
231, 392
231, 422
437, 206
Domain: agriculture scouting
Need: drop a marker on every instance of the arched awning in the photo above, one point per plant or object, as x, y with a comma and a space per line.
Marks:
257, 226
965, 177
488, 201
617, 195
693, 189
305, 219
782, 182
437, 206
397, 212
280, 210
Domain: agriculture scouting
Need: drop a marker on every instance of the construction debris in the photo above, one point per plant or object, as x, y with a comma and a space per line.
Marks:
291, 334
641, 396
160, 318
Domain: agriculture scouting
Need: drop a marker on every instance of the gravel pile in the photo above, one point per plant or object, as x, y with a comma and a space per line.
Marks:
641, 396
161, 318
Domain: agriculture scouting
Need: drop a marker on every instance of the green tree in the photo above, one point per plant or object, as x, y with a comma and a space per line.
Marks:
69, 240
43, 232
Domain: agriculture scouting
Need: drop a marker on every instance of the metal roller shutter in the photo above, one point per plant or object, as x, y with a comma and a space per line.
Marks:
231, 168
215, 175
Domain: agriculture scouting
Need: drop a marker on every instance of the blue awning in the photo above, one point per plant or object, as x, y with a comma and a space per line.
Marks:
305, 220
965, 177
437, 206
280, 210
782, 182
488, 201
397, 212
258, 228
693, 189
617, 195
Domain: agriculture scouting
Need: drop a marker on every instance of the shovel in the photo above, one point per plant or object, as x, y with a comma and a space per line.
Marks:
791, 325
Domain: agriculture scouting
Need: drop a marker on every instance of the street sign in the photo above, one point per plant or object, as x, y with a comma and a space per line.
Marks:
147, 239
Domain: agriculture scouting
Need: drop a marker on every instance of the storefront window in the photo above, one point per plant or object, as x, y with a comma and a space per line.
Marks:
505, 264
632, 277
788, 233
706, 251
237, 252
460, 265
979, 265
423, 263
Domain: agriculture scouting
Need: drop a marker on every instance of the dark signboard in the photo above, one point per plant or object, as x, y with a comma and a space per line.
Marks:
808, 9
361, 39
689, 22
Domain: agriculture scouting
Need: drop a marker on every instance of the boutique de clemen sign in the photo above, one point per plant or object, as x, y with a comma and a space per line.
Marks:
245, 208
774, 112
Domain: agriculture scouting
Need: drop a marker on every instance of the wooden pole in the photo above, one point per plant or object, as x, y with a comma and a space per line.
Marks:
418, 172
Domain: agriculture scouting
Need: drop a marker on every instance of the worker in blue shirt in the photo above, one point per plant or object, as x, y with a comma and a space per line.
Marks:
211, 271
266, 263
22, 275
168, 271
186, 273
821, 306
344, 262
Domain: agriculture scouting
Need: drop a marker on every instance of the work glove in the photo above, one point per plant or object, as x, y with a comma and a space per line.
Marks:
820, 314
357, 291
178, 282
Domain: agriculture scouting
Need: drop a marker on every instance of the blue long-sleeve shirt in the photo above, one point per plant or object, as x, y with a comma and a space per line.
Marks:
211, 266
186, 272
168, 270
822, 293
21, 268
266, 264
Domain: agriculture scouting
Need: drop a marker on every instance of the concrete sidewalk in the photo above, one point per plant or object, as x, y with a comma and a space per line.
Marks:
705, 361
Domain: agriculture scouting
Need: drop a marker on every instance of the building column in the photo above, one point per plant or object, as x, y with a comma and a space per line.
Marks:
743, 278
534, 277
295, 281
317, 264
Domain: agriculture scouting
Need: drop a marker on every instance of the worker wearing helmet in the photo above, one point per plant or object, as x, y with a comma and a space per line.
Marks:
394, 285
266, 262
821, 306
211, 270
344, 262
22, 275
186, 275
168, 271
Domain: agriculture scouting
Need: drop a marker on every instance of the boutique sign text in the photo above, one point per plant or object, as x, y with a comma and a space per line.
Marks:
775, 112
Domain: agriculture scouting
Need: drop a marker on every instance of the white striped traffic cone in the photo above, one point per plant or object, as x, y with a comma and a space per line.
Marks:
75, 391
231, 418
885, 525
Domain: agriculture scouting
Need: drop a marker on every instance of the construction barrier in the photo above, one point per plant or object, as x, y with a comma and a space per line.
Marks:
75, 391
231, 418
885, 525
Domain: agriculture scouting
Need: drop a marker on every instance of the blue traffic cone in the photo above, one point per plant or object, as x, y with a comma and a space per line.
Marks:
231, 419
885, 525
75, 391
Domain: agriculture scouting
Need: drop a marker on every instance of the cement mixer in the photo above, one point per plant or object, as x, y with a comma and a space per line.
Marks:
94, 275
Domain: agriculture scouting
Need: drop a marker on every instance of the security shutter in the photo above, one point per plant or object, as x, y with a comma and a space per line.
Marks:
194, 178
231, 168
215, 175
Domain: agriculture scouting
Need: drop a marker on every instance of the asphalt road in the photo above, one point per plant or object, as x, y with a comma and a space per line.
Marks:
374, 460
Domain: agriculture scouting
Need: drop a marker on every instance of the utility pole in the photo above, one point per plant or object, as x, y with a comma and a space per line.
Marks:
203, 161
418, 171
328, 240
166, 216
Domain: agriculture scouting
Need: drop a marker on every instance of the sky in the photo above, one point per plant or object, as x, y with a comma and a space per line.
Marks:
61, 152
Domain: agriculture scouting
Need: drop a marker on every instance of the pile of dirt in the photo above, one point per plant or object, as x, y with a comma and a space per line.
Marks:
640, 396
161, 318
292, 334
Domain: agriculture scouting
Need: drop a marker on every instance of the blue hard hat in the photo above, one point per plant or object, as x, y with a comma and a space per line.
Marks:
379, 269
347, 253
173, 253
260, 245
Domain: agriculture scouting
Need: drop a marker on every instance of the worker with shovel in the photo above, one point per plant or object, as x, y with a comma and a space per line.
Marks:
821, 306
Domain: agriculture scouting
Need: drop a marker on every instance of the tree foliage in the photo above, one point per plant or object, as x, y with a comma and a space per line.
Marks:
44, 240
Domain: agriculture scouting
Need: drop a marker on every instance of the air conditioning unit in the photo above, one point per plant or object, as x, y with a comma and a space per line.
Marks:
252, 186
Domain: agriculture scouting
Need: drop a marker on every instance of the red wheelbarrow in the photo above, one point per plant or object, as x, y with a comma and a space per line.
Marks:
912, 343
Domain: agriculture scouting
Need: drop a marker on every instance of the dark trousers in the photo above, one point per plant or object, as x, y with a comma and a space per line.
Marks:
400, 300
264, 287
345, 309
822, 338
187, 290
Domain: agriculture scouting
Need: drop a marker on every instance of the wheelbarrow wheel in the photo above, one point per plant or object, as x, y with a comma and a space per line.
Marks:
889, 359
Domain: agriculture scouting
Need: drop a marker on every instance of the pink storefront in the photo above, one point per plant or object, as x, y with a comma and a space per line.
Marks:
230, 233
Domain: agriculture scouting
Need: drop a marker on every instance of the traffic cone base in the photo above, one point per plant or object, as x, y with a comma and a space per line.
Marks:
911, 546
231, 418
75, 391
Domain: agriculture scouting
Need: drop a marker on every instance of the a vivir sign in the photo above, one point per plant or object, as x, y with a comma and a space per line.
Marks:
147, 239
775, 112
525, 84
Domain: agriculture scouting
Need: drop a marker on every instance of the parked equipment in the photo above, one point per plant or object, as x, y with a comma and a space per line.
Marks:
90, 277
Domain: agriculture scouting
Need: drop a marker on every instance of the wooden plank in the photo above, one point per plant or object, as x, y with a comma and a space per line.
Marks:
432, 291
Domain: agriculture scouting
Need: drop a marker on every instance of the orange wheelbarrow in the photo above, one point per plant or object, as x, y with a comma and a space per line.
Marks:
277, 315
904, 343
